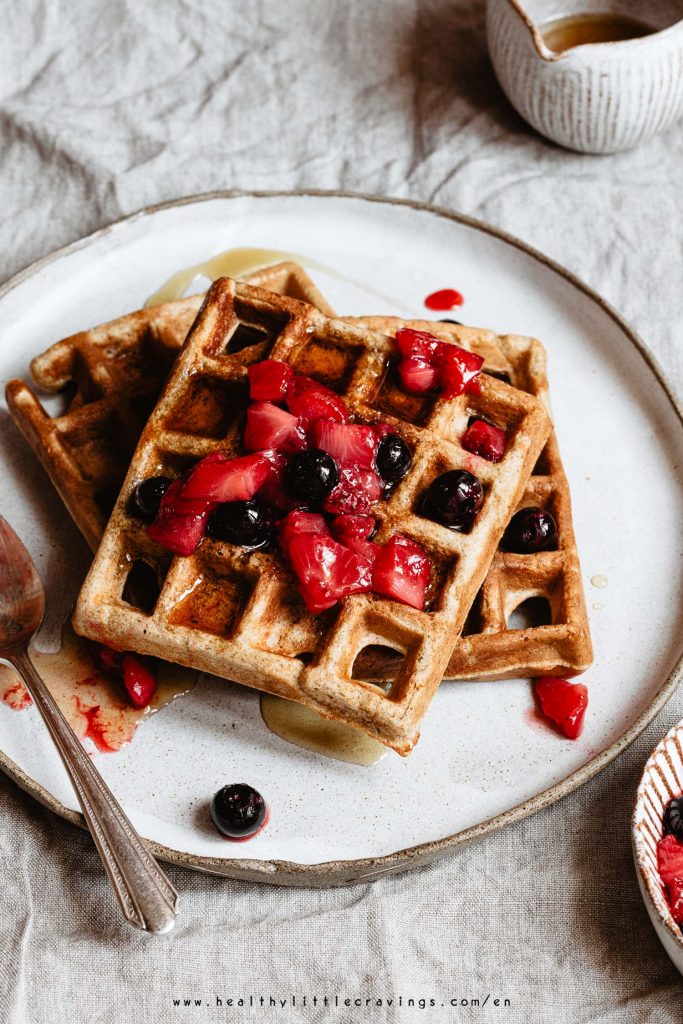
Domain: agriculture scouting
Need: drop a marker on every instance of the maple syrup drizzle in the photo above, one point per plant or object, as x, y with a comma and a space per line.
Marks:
94, 705
303, 727
238, 263
579, 29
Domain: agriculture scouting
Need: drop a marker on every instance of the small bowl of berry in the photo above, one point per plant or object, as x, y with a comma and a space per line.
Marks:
657, 835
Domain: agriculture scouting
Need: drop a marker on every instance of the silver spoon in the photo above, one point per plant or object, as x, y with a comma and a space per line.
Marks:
147, 898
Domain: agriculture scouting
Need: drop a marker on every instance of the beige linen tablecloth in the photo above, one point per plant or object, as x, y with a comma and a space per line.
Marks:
108, 105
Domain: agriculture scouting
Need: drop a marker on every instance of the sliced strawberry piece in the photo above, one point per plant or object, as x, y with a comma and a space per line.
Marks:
327, 571
381, 430
269, 427
346, 442
355, 492
268, 380
417, 344
670, 858
218, 478
273, 491
297, 523
138, 680
106, 659
313, 401
402, 571
483, 439
458, 370
354, 533
417, 376
563, 703
180, 522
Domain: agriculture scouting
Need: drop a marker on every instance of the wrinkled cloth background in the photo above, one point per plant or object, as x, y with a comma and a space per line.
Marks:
108, 105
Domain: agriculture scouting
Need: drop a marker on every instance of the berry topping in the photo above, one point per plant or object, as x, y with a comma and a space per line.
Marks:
346, 442
401, 571
673, 818
483, 439
106, 659
327, 571
393, 458
138, 680
530, 530
670, 865
219, 478
269, 427
313, 401
417, 376
445, 298
273, 492
146, 497
311, 475
563, 703
181, 522
268, 380
300, 522
355, 492
453, 499
427, 361
355, 532
240, 522
238, 811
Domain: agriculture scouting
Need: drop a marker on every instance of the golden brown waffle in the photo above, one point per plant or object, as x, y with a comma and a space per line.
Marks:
489, 649
238, 614
113, 375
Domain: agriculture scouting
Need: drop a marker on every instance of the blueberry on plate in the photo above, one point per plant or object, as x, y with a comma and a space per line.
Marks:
453, 499
146, 497
311, 475
393, 458
238, 811
673, 818
530, 530
240, 522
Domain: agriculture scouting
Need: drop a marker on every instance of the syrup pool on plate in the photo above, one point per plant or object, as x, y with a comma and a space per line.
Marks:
303, 727
95, 706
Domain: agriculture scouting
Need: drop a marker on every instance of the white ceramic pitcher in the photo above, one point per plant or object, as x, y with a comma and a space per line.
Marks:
597, 97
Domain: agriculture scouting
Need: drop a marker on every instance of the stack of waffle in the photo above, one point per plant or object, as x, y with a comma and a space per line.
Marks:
145, 397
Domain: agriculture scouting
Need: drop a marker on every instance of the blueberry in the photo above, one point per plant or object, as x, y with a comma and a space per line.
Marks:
311, 475
240, 522
238, 811
673, 818
447, 320
146, 497
453, 499
530, 530
393, 458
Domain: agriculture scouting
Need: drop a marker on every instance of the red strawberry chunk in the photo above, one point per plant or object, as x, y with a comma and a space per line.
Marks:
670, 864
382, 429
355, 492
485, 440
327, 571
458, 370
219, 478
402, 571
346, 442
269, 427
268, 380
417, 376
300, 522
353, 532
417, 344
180, 522
138, 680
563, 703
313, 401
273, 491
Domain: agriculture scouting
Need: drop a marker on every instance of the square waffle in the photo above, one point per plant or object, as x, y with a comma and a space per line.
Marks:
488, 648
113, 375
238, 614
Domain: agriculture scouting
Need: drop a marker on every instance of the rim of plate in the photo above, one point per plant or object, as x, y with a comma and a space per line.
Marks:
340, 872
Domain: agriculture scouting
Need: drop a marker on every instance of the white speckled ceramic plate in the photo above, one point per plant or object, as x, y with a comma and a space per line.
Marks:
481, 763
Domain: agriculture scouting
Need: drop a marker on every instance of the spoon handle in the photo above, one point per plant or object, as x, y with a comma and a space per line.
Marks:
147, 898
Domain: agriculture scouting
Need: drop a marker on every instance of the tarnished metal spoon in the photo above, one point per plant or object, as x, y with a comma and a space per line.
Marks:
147, 898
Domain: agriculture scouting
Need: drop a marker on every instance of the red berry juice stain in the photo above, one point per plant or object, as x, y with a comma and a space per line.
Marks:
14, 694
95, 729
443, 300
536, 719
